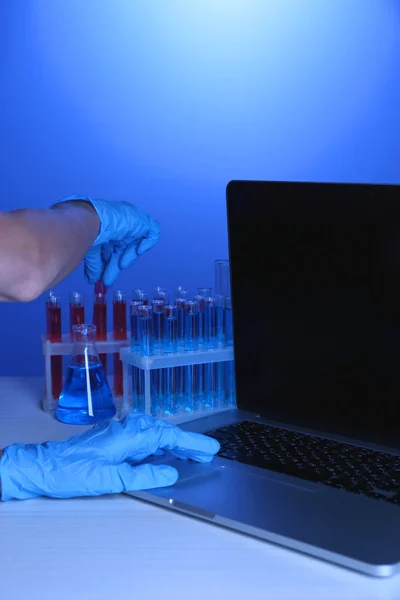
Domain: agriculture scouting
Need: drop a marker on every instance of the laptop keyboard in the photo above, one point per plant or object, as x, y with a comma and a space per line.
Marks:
344, 466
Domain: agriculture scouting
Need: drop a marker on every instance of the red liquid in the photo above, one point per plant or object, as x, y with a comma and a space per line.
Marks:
119, 313
100, 288
53, 319
76, 315
100, 320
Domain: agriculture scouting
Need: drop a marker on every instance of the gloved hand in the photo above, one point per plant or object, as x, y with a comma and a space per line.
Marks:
125, 233
100, 460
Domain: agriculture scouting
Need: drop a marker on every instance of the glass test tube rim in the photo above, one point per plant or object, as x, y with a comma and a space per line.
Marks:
172, 311
76, 298
89, 328
53, 300
119, 296
180, 292
147, 310
139, 294
200, 289
191, 304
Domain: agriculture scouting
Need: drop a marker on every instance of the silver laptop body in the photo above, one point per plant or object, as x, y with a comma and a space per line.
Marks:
315, 272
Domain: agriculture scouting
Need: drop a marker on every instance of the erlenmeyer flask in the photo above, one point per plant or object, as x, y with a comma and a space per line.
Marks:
86, 397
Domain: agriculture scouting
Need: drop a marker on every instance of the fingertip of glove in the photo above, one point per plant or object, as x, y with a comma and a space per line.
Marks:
215, 446
168, 474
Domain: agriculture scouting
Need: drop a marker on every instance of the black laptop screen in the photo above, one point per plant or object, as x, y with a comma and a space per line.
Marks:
315, 272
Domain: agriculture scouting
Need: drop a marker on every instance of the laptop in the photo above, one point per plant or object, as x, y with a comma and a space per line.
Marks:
310, 459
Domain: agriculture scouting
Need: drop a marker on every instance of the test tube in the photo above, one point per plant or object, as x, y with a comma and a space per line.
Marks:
140, 295
208, 375
137, 374
138, 390
100, 317
180, 300
158, 324
170, 347
157, 375
192, 388
228, 326
170, 329
219, 305
147, 349
76, 310
190, 372
209, 323
135, 313
146, 330
191, 326
230, 390
201, 294
222, 278
54, 334
210, 384
181, 296
120, 333
161, 293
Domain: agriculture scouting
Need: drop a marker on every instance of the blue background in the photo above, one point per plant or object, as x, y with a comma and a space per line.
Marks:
163, 102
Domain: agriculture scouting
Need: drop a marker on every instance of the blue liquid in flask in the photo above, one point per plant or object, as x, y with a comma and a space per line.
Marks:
73, 405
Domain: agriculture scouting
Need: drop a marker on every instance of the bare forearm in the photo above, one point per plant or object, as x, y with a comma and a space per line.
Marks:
39, 248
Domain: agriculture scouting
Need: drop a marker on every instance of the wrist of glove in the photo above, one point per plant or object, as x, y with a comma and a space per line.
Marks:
125, 233
103, 460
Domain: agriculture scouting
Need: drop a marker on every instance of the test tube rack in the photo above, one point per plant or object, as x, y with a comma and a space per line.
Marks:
64, 348
148, 364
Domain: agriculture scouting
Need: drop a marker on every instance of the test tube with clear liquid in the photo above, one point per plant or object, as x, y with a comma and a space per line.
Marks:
222, 291
171, 404
230, 389
137, 374
181, 296
201, 294
190, 373
86, 397
210, 342
157, 375
222, 278
134, 320
147, 346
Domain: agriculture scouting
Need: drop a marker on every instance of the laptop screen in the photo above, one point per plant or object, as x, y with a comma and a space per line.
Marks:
315, 272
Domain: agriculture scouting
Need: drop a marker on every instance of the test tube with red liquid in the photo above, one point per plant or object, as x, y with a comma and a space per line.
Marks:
76, 310
100, 317
120, 333
54, 334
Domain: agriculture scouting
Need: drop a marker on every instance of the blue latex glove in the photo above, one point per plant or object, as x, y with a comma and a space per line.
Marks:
100, 460
125, 234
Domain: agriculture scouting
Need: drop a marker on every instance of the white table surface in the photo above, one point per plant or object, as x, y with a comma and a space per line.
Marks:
117, 547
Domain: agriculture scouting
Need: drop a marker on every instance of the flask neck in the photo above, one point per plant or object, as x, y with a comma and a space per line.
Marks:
84, 347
